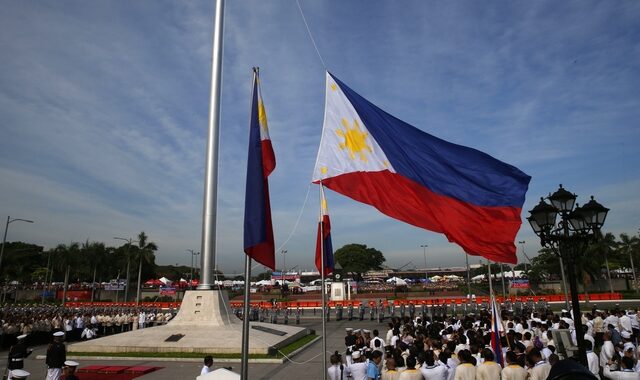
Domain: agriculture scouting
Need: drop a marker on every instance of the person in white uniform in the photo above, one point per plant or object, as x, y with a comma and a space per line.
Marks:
208, 365
358, 368
626, 370
513, 371
337, 371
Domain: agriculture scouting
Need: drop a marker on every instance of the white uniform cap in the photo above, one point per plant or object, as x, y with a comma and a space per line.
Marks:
367, 331
71, 363
19, 374
348, 329
357, 331
355, 354
22, 336
564, 311
58, 333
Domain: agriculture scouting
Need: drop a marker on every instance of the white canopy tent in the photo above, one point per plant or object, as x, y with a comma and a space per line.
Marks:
397, 281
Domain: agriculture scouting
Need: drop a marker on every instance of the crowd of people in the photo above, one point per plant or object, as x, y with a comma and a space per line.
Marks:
25, 326
460, 348
39, 322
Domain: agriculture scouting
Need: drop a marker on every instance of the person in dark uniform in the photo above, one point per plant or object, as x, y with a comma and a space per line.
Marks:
17, 354
56, 356
350, 344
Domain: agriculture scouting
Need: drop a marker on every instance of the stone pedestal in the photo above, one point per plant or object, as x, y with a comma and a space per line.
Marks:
204, 324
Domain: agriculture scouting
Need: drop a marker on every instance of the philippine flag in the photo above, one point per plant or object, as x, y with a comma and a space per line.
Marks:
323, 240
496, 330
258, 231
375, 158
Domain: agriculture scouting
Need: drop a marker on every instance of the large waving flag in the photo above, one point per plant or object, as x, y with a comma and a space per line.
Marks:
496, 330
375, 158
323, 241
258, 231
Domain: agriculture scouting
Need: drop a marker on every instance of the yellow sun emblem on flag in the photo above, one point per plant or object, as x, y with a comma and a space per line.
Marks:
262, 116
355, 140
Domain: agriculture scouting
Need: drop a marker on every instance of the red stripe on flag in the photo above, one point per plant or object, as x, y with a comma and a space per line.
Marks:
485, 231
268, 157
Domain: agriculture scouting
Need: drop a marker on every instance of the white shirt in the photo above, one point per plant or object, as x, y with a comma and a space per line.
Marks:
372, 344
434, 372
334, 372
358, 371
594, 364
514, 372
625, 323
205, 370
466, 371
606, 353
540, 371
620, 375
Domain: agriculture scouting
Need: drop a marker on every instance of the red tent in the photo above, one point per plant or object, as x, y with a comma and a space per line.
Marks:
153, 282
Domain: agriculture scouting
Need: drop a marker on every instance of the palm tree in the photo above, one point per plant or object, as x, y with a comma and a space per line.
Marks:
145, 252
629, 245
64, 257
604, 247
95, 253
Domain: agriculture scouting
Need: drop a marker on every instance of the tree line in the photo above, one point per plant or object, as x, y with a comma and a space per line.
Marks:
79, 262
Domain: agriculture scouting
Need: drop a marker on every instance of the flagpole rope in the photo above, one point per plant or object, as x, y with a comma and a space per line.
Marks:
295, 227
310, 35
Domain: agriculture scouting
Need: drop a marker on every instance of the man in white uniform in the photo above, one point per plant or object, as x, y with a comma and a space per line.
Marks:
358, 368
208, 364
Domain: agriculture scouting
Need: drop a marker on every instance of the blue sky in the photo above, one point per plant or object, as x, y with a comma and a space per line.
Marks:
103, 111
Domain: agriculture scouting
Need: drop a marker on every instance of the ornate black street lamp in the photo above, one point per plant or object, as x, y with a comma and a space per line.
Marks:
569, 238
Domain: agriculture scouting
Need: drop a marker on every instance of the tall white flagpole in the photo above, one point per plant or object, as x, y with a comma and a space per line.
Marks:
209, 207
324, 287
244, 371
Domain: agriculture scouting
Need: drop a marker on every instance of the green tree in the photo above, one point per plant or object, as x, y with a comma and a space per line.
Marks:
20, 261
145, 255
628, 248
600, 257
358, 259
263, 276
543, 267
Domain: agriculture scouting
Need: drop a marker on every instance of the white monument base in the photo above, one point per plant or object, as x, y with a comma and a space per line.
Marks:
338, 291
204, 324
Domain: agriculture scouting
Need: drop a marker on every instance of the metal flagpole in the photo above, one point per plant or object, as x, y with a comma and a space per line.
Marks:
504, 292
209, 207
244, 375
466, 255
490, 278
324, 290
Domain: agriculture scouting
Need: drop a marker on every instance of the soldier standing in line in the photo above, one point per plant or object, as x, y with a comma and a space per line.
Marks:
17, 354
350, 343
56, 356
